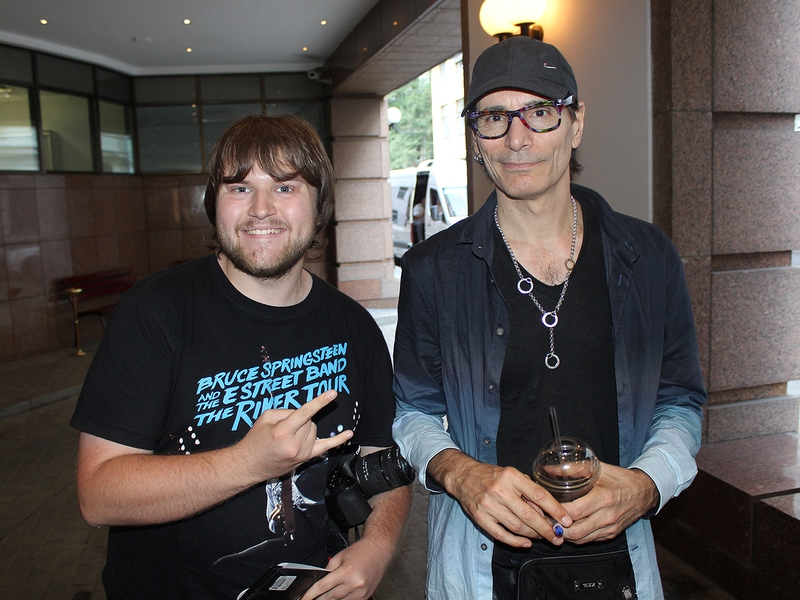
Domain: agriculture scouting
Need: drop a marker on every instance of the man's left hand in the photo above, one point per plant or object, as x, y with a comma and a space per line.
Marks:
620, 497
355, 573
357, 570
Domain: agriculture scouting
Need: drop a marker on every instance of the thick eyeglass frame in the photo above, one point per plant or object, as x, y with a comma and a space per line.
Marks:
510, 114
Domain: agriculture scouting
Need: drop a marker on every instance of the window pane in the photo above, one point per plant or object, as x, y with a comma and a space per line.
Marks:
66, 134
313, 112
227, 88
114, 86
16, 64
292, 86
53, 71
218, 117
116, 141
18, 143
165, 89
169, 139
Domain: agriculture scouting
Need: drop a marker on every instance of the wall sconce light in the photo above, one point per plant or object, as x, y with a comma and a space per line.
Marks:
506, 18
395, 115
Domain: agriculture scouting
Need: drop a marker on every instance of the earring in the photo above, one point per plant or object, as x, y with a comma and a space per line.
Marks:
478, 159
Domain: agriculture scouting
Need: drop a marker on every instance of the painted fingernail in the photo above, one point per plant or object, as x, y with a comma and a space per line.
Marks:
558, 530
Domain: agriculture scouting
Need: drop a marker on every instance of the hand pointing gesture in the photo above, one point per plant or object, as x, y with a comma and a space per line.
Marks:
281, 440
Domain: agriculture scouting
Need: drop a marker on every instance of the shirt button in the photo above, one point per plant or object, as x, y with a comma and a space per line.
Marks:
487, 442
501, 331
484, 547
491, 386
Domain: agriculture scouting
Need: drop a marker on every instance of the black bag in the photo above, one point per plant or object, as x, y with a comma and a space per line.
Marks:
283, 583
600, 576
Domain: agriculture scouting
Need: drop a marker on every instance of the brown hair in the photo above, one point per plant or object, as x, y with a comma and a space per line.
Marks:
285, 147
574, 166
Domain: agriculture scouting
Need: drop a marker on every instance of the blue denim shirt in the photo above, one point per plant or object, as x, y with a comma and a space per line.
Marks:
450, 343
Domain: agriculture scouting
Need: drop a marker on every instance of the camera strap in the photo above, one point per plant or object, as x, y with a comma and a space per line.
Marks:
287, 506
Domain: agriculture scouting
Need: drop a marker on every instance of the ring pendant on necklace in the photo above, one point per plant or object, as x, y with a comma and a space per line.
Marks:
525, 285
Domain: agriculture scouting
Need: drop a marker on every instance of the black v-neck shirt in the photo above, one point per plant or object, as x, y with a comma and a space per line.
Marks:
583, 387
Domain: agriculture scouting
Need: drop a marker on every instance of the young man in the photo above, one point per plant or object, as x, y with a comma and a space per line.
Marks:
213, 411
544, 298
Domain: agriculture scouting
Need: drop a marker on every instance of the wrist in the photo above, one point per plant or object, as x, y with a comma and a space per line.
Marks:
649, 492
241, 471
442, 467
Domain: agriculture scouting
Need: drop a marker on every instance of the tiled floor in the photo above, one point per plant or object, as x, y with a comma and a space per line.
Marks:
48, 552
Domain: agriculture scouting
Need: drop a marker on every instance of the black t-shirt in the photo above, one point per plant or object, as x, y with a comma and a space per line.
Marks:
187, 364
583, 387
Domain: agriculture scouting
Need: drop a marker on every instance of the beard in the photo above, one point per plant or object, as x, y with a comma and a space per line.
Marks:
260, 264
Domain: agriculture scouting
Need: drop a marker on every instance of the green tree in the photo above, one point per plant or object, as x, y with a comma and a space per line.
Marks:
411, 140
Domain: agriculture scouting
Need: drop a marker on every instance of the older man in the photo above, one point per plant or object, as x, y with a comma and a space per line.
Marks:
222, 384
545, 298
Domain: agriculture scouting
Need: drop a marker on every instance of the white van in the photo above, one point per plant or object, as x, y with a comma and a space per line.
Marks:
426, 200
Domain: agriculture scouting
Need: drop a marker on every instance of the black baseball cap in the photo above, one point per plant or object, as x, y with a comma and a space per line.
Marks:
521, 63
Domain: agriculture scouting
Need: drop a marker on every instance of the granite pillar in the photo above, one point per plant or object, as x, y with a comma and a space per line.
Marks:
363, 232
727, 191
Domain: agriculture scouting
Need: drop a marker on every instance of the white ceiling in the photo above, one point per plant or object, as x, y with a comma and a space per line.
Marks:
148, 37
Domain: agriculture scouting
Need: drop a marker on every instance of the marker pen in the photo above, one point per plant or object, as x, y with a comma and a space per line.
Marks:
558, 529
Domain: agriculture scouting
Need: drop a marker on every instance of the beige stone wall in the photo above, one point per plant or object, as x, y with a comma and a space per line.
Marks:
55, 226
363, 231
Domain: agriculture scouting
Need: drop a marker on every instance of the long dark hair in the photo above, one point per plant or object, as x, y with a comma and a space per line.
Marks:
575, 167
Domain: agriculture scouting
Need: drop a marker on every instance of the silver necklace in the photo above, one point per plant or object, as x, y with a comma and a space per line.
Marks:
525, 285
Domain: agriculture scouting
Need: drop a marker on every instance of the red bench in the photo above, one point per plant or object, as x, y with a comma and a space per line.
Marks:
100, 284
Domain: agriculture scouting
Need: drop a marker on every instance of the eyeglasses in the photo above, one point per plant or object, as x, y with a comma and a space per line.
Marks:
540, 117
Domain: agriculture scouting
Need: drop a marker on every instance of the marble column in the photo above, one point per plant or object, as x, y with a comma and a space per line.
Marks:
727, 191
363, 231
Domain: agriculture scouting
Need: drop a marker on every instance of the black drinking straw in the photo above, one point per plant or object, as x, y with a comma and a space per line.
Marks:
556, 431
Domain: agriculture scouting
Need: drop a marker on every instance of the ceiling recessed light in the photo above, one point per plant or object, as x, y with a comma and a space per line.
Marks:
188, 49
187, 21
43, 21
323, 22
394, 23
305, 48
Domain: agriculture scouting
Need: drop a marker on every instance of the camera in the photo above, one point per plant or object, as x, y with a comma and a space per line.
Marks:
357, 478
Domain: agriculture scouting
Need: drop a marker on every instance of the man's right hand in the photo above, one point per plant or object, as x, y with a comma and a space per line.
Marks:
281, 440
502, 501
123, 485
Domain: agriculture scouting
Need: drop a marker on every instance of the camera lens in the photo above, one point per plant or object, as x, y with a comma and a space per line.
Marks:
383, 471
